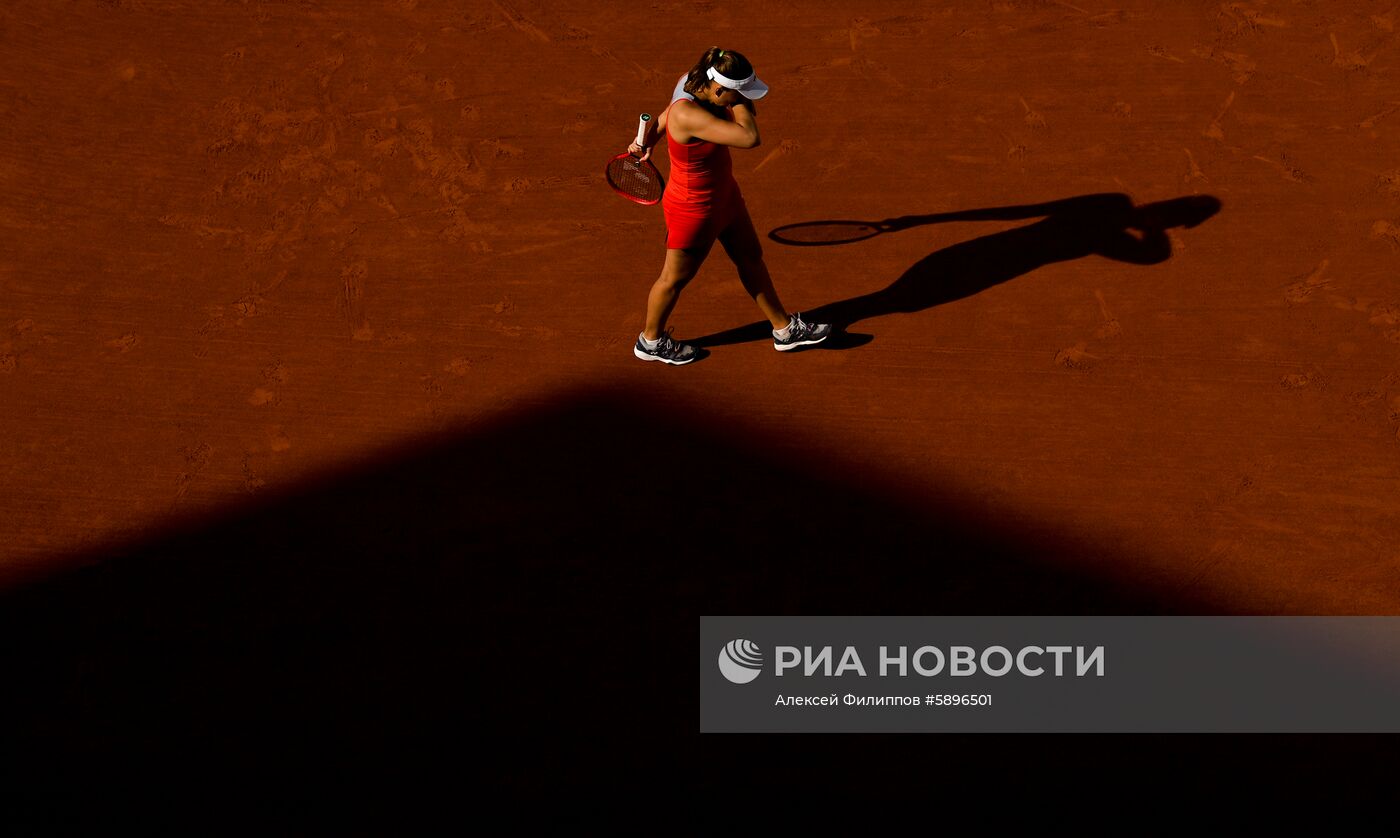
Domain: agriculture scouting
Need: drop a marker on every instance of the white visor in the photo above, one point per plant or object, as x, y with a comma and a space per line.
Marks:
751, 87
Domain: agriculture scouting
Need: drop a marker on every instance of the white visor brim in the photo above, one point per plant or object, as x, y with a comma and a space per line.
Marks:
752, 87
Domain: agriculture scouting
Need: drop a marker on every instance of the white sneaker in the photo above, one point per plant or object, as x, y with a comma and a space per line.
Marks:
801, 333
667, 351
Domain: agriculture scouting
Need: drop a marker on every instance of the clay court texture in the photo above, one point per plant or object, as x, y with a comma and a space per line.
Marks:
316, 323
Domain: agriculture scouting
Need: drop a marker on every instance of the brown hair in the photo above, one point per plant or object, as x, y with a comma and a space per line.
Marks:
726, 62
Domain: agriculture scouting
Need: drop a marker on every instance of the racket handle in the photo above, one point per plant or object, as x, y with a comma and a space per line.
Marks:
642, 128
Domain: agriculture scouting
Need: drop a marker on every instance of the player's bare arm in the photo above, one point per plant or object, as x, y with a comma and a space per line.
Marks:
655, 130
690, 122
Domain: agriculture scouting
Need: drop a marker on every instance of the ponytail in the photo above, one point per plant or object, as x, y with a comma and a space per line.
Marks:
726, 62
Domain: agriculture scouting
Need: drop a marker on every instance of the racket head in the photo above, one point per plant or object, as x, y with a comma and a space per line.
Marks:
634, 179
823, 233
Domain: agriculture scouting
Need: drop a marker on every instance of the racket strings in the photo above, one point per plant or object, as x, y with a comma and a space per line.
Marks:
636, 178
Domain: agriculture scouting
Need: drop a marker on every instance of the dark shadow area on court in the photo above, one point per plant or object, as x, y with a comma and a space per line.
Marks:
524, 597
1107, 225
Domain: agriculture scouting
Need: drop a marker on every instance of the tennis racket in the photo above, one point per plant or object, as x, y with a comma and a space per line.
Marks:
633, 178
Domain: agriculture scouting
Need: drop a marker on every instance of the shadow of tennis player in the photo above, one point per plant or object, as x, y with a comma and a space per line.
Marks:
1107, 225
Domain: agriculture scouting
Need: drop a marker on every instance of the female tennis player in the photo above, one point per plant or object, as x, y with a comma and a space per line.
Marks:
711, 111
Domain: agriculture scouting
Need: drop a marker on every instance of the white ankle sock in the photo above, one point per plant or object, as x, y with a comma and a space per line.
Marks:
785, 331
649, 344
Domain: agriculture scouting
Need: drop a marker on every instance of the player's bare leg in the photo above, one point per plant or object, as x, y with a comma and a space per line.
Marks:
757, 281
680, 268
741, 242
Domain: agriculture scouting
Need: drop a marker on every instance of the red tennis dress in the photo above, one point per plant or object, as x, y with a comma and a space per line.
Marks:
702, 201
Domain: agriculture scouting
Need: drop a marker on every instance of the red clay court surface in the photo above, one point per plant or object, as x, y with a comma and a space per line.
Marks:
331, 300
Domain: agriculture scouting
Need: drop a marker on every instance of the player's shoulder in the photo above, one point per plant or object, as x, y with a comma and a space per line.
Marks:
686, 113
692, 109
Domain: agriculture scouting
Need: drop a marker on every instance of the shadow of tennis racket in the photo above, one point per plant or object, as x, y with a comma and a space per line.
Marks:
823, 233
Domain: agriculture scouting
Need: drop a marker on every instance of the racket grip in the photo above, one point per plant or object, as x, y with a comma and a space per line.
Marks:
642, 128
